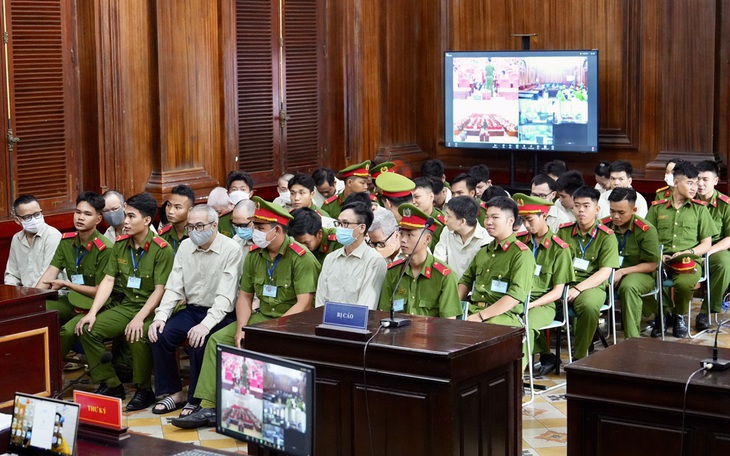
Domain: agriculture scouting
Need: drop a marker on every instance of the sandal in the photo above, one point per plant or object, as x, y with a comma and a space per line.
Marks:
71, 367
168, 405
189, 409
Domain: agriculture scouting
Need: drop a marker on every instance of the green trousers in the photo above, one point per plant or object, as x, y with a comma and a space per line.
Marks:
719, 279
630, 289
205, 390
511, 319
587, 307
110, 324
539, 317
65, 309
684, 288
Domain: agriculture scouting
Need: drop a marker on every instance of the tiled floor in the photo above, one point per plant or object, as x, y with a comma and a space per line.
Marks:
544, 424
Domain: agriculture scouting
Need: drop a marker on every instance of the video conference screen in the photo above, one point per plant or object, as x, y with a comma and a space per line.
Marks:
522, 100
43, 426
266, 400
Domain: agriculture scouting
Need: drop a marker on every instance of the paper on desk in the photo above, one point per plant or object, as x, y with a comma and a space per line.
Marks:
5, 420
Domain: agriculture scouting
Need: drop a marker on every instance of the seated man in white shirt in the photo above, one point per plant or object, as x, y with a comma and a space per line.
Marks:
113, 214
620, 172
463, 237
565, 185
352, 274
543, 186
384, 236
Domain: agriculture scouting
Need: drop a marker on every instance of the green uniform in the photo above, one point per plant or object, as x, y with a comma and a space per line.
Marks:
153, 263
640, 244
553, 266
482, 214
169, 234
719, 207
592, 251
333, 205
434, 293
499, 269
320, 211
224, 225
663, 193
296, 272
85, 260
436, 236
681, 229
329, 244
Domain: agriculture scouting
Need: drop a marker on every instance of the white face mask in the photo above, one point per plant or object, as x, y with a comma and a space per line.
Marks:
285, 197
33, 225
259, 238
238, 195
200, 237
669, 179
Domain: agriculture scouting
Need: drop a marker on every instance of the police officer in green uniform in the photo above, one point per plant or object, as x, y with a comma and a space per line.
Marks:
356, 179
394, 190
140, 263
553, 270
306, 228
423, 199
466, 185
684, 226
83, 255
375, 171
282, 273
594, 249
181, 200
638, 250
428, 286
719, 207
502, 273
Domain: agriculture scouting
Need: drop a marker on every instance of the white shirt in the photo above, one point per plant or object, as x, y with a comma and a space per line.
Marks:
319, 199
112, 234
356, 278
26, 263
557, 216
458, 254
642, 208
206, 278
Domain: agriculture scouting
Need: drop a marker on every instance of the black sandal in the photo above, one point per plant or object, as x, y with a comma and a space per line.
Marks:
168, 405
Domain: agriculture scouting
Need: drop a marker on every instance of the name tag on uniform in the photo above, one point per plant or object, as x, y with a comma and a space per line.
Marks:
620, 261
270, 291
581, 264
538, 268
78, 279
499, 286
399, 305
134, 282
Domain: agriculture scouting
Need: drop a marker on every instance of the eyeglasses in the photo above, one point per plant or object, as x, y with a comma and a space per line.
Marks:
198, 227
540, 195
345, 224
241, 225
381, 244
27, 218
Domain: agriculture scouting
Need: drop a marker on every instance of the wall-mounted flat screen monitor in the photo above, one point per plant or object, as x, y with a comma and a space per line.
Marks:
522, 100
265, 400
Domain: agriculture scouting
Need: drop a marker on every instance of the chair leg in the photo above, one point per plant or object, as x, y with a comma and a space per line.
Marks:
558, 334
602, 337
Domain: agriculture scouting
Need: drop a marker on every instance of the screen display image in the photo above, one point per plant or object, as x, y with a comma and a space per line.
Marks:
266, 400
43, 426
522, 100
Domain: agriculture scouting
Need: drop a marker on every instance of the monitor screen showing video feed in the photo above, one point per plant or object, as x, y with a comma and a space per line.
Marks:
266, 400
522, 100
43, 426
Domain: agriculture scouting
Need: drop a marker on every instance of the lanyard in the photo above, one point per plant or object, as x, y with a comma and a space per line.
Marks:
622, 241
270, 270
582, 248
535, 246
135, 262
80, 256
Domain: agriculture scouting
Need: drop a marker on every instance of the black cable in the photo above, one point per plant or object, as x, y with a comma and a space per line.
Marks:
365, 386
684, 406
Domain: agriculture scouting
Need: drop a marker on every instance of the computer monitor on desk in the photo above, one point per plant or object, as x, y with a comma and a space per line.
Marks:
265, 400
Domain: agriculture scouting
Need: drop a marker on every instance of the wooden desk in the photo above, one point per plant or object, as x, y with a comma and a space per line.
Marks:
436, 387
30, 361
627, 400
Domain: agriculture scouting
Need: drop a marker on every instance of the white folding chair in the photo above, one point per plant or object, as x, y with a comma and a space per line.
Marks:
657, 291
610, 308
706, 279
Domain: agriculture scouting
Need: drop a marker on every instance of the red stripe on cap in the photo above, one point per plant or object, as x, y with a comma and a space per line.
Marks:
533, 209
359, 172
416, 222
395, 194
270, 216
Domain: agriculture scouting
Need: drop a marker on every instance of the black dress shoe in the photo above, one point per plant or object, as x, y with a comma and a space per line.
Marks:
547, 363
203, 417
680, 327
702, 322
656, 331
113, 391
142, 399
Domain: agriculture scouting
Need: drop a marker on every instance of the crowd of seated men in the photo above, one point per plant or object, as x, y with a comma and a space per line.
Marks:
476, 253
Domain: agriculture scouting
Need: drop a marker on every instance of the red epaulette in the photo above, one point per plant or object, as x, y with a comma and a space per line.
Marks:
441, 268
332, 237
160, 242
724, 198
374, 197
522, 233
70, 235
396, 263
566, 224
696, 201
298, 249
521, 245
441, 219
121, 237
483, 205
604, 228
560, 242
606, 220
331, 199
253, 247
654, 203
643, 226
165, 229
99, 244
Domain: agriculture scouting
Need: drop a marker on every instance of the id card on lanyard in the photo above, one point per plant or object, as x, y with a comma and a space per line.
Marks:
270, 289
135, 282
77, 278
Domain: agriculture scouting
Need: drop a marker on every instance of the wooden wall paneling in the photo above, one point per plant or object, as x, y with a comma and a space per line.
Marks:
188, 72
721, 115
229, 74
367, 91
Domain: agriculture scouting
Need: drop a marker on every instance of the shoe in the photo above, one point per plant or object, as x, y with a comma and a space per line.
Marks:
142, 399
116, 391
656, 331
702, 322
680, 327
548, 361
201, 418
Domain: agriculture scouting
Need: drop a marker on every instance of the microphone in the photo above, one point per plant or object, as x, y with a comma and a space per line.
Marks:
714, 363
105, 359
393, 322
